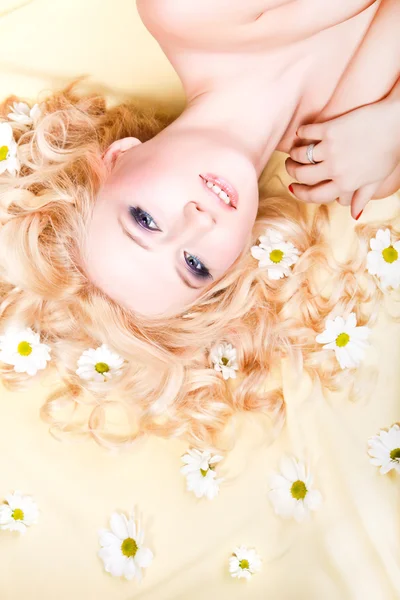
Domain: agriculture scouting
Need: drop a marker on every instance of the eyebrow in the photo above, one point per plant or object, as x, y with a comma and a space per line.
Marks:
142, 244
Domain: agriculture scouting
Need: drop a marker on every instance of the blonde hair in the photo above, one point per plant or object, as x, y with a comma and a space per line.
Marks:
168, 386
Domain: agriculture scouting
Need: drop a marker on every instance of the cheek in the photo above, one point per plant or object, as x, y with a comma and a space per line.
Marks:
231, 242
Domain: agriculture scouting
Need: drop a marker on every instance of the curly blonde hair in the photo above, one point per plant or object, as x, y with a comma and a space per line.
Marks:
168, 386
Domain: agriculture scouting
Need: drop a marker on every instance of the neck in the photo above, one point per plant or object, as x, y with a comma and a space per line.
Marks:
253, 111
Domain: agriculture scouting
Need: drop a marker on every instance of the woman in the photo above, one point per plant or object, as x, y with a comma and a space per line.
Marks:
230, 127
158, 267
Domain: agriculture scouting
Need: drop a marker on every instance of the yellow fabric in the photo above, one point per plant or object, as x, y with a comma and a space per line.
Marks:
350, 548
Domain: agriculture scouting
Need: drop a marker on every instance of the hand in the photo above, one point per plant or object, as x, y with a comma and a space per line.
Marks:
355, 154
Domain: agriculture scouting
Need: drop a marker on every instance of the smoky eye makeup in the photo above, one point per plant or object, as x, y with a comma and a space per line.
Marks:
144, 220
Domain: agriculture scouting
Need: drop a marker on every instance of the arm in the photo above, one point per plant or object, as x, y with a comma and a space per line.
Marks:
358, 156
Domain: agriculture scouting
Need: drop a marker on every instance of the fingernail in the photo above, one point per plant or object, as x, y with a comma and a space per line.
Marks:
291, 188
359, 215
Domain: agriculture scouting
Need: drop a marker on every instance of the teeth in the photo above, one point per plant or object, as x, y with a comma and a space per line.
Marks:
220, 193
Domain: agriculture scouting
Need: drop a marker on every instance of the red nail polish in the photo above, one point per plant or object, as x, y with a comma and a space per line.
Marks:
359, 215
291, 188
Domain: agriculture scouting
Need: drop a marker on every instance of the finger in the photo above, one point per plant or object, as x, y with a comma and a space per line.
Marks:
309, 174
345, 199
299, 154
323, 193
361, 198
311, 132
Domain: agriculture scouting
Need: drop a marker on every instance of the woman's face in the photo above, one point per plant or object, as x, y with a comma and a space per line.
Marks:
159, 236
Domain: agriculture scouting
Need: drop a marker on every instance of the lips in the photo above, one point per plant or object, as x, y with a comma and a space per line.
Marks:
225, 185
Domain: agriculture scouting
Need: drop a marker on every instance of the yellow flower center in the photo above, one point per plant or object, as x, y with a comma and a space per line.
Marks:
17, 514
3, 152
276, 256
342, 340
299, 490
203, 472
244, 564
129, 547
102, 367
224, 360
24, 348
390, 254
395, 454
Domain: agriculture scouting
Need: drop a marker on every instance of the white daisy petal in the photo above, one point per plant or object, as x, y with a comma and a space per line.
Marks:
130, 569
22, 349
297, 497
283, 502
346, 339
8, 150
384, 259
119, 526
384, 450
200, 475
144, 557
18, 513
122, 552
99, 365
288, 467
244, 563
22, 113
313, 499
299, 511
274, 254
225, 360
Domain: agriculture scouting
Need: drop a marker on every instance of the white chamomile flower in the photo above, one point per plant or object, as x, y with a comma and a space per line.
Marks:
291, 493
200, 475
19, 513
346, 339
225, 361
22, 113
100, 364
384, 259
8, 150
22, 349
244, 563
122, 549
275, 254
384, 450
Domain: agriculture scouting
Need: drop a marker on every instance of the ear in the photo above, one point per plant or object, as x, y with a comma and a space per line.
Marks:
118, 147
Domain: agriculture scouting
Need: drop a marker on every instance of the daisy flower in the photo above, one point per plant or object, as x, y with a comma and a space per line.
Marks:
225, 361
122, 549
274, 253
21, 113
8, 150
200, 475
18, 513
384, 449
99, 364
244, 563
22, 349
346, 339
383, 259
291, 493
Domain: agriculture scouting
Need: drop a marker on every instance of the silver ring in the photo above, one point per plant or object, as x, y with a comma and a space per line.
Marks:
310, 157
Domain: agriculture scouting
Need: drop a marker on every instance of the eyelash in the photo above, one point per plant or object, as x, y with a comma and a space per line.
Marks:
137, 212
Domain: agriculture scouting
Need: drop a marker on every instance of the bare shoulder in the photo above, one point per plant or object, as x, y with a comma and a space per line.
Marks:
212, 25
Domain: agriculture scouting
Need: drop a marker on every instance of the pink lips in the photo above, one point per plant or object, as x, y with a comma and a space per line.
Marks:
225, 186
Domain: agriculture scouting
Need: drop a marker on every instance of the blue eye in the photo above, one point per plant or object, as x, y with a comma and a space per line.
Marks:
143, 219
196, 266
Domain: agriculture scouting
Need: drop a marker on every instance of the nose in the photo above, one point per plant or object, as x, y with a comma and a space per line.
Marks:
199, 217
